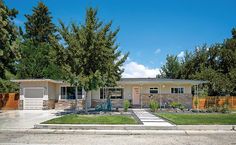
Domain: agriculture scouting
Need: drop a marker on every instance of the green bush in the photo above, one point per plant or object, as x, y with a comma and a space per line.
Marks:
225, 108
153, 106
210, 110
6, 86
182, 107
196, 102
194, 110
126, 105
175, 105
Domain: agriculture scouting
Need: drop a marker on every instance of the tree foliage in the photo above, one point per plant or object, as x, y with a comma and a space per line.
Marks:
38, 56
39, 27
93, 59
216, 64
172, 67
8, 39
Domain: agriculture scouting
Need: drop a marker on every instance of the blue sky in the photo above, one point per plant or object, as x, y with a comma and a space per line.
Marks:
149, 29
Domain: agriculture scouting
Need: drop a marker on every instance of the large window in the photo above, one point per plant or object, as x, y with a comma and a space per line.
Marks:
69, 93
177, 90
153, 90
113, 93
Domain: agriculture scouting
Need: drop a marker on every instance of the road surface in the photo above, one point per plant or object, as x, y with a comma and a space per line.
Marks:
187, 138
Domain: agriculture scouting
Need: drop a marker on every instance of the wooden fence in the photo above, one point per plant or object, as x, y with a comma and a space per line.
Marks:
9, 101
211, 101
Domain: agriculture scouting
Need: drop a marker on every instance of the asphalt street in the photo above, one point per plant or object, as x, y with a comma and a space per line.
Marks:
162, 138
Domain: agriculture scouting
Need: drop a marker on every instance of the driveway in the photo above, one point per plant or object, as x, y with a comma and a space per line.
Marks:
24, 119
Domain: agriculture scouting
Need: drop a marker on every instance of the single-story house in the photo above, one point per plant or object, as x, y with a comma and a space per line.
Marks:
53, 94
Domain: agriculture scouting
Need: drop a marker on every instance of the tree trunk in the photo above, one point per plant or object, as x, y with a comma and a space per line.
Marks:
76, 99
86, 103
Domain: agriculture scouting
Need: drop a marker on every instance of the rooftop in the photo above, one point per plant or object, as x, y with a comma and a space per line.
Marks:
128, 81
160, 80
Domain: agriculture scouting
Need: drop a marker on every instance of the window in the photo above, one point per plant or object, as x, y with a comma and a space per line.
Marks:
63, 92
153, 90
69, 93
177, 90
114, 93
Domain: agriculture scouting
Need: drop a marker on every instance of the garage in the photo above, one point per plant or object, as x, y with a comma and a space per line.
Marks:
33, 98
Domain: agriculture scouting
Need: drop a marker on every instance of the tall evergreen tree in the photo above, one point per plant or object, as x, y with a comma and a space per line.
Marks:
39, 27
93, 57
38, 56
8, 36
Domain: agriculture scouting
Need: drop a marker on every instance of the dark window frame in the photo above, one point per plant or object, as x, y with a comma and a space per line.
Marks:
177, 90
105, 92
71, 95
154, 90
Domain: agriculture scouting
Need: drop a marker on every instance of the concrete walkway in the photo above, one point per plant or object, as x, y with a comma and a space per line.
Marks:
149, 119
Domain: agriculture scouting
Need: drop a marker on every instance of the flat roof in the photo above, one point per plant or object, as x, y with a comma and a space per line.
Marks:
159, 80
127, 81
37, 80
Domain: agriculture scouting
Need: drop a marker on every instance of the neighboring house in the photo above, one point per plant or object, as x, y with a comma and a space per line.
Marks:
50, 94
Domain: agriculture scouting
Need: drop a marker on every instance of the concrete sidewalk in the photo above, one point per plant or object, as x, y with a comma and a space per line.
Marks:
149, 119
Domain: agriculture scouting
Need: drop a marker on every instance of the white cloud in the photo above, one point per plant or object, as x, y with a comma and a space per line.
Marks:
181, 54
135, 70
157, 51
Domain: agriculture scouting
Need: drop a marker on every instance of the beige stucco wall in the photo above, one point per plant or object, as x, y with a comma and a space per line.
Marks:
166, 88
33, 84
162, 88
52, 91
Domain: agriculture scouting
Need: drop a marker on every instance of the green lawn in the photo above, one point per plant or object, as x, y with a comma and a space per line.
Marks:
200, 119
92, 119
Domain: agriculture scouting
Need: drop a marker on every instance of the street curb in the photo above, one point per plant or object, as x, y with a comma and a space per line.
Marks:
132, 127
101, 127
206, 127
115, 132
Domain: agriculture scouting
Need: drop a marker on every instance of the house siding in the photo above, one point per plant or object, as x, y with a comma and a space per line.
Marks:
52, 91
164, 92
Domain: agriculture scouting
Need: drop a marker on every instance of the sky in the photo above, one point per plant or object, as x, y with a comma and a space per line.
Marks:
149, 29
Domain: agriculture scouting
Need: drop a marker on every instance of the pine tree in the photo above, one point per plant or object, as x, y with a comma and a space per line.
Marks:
93, 57
38, 56
39, 27
8, 43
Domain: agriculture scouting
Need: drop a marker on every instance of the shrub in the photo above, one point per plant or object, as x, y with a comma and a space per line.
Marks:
196, 102
126, 105
225, 108
181, 107
209, 110
175, 105
153, 106
194, 110
7, 86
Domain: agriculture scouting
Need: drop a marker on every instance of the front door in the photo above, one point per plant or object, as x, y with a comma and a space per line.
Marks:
136, 96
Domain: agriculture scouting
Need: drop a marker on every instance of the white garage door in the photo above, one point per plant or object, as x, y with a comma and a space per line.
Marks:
33, 98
